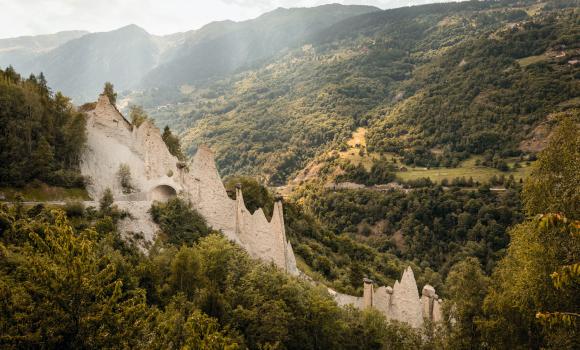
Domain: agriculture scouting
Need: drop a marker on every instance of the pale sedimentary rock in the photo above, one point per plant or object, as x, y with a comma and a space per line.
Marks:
405, 302
156, 175
345, 299
400, 302
368, 293
113, 141
431, 304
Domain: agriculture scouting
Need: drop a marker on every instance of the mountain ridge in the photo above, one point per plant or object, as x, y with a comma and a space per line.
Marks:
159, 56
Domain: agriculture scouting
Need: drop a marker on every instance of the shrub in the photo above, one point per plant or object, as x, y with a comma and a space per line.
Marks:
74, 209
124, 176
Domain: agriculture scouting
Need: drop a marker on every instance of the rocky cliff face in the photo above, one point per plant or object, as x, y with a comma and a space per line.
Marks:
113, 143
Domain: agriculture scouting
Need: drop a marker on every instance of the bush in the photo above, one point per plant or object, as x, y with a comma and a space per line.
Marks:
74, 209
124, 177
106, 201
64, 178
179, 222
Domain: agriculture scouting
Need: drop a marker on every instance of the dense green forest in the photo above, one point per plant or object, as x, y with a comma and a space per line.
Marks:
41, 133
477, 98
69, 280
433, 226
433, 84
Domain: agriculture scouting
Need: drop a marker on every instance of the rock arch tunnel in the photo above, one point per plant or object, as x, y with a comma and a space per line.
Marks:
162, 193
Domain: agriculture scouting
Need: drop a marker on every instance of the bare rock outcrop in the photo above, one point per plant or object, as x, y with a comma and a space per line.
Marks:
156, 175
400, 302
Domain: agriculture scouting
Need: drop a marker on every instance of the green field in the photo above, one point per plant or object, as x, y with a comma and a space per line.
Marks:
466, 169
43, 193
526, 61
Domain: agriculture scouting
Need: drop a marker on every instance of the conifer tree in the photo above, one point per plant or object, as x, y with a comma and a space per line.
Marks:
110, 92
138, 115
173, 144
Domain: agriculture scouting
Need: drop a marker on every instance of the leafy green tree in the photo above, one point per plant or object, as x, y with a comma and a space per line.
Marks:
553, 184
466, 286
567, 278
44, 156
172, 143
255, 194
181, 326
522, 285
185, 276
179, 222
110, 92
124, 177
106, 201
42, 135
204, 332
60, 290
138, 115
368, 329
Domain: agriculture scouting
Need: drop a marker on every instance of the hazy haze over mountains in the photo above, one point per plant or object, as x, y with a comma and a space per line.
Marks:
157, 17
78, 63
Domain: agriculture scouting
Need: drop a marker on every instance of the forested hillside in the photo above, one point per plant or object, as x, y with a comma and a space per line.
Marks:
69, 280
444, 137
41, 133
485, 95
433, 84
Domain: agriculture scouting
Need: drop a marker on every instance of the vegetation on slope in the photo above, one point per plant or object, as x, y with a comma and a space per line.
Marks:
477, 99
534, 295
74, 283
530, 301
432, 226
69, 280
411, 76
41, 134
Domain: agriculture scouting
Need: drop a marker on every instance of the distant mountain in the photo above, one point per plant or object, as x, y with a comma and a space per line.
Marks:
80, 67
40, 42
224, 47
433, 85
78, 63
18, 51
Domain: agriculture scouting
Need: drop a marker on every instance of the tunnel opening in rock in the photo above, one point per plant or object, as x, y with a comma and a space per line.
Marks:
162, 193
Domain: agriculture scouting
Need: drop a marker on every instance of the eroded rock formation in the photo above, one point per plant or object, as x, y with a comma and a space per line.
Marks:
155, 174
400, 302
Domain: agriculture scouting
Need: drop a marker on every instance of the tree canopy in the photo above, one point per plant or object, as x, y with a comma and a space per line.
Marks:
41, 133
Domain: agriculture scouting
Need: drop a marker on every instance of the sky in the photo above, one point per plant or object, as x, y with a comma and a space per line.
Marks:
33, 17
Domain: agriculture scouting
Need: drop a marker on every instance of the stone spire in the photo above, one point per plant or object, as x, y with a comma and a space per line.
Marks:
405, 304
427, 301
368, 293
208, 194
240, 206
279, 229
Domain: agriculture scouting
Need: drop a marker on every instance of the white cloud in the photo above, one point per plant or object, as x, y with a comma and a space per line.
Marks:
31, 17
